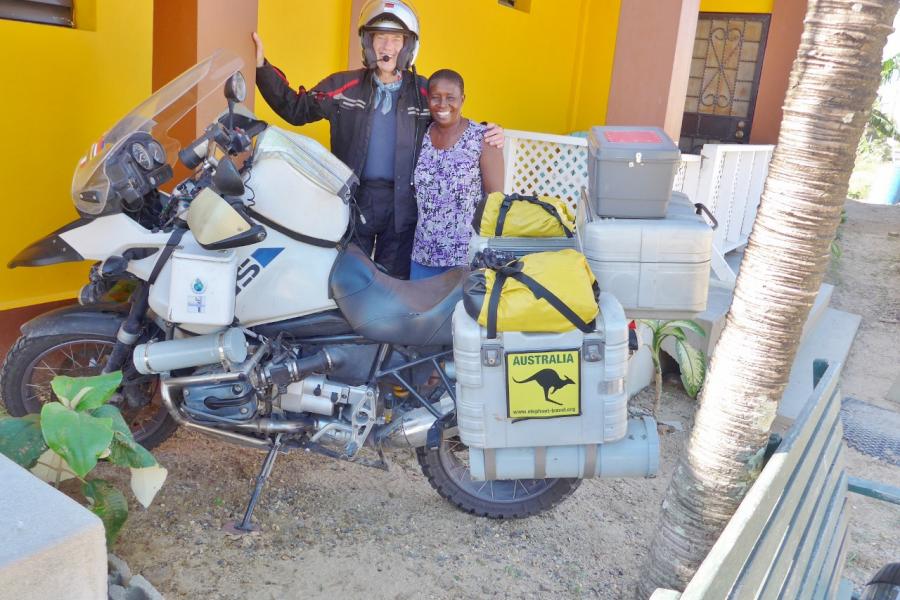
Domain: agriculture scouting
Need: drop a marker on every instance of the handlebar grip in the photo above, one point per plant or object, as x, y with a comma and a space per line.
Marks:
189, 155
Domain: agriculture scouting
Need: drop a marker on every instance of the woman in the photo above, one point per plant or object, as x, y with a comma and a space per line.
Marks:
455, 170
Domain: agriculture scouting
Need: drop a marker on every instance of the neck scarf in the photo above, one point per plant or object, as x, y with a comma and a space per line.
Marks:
384, 94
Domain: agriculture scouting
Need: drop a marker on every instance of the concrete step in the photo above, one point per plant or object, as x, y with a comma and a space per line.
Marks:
712, 320
719, 301
829, 337
51, 546
820, 305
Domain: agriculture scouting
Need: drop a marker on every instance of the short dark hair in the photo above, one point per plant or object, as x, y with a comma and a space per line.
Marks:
448, 75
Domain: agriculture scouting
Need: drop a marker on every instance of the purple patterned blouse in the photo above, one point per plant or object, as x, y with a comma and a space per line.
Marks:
448, 186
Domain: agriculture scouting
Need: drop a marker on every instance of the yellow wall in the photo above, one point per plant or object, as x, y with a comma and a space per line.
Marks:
738, 6
64, 88
593, 72
519, 67
547, 69
307, 40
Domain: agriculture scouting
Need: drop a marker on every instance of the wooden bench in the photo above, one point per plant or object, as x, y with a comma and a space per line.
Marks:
788, 537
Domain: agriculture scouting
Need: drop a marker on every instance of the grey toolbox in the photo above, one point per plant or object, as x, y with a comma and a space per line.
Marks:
631, 171
657, 268
543, 405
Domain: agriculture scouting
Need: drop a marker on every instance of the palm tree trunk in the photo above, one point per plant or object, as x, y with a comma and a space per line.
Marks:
832, 87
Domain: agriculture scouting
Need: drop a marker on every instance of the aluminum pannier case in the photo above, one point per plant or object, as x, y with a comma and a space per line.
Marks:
657, 268
543, 405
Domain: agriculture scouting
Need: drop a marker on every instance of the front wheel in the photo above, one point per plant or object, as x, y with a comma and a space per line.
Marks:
447, 470
33, 362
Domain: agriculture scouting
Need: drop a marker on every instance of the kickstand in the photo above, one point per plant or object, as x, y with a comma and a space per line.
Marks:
244, 526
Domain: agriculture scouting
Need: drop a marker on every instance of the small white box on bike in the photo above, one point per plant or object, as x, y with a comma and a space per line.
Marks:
202, 288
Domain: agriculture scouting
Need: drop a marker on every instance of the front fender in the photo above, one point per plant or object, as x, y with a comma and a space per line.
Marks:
49, 250
102, 319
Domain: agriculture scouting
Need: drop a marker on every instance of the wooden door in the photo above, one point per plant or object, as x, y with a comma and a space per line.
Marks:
721, 97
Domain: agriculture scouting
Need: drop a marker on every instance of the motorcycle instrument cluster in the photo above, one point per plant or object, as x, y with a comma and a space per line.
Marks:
141, 155
137, 169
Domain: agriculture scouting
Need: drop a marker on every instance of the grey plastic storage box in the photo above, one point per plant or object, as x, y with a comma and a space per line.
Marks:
631, 171
657, 268
519, 246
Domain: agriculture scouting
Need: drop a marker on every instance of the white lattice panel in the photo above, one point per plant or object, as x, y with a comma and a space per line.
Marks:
544, 165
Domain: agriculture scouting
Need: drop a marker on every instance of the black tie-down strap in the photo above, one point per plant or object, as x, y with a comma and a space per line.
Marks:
171, 246
507, 203
514, 271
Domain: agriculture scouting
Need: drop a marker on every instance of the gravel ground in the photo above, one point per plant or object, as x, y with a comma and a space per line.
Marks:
336, 529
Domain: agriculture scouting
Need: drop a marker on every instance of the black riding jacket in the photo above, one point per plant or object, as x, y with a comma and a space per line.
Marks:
346, 99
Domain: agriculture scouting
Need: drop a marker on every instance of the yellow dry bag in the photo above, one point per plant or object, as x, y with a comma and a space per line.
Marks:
546, 291
523, 216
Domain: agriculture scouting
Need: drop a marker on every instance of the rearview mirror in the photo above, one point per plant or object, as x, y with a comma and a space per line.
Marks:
236, 88
218, 225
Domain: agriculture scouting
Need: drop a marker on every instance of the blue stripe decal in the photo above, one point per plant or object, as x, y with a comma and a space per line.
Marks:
266, 255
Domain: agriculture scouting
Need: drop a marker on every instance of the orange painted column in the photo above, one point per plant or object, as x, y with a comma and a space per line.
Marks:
187, 31
654, 44
785, 30
354, 54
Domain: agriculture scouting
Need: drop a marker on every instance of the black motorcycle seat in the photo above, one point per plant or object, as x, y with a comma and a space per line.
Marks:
395, 311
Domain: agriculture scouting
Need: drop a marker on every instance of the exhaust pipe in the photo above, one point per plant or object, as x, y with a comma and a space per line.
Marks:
411, 430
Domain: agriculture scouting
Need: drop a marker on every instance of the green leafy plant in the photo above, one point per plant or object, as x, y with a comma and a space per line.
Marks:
70, 436
691, 361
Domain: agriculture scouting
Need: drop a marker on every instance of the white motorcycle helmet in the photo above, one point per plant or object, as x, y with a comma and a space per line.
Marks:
383, 15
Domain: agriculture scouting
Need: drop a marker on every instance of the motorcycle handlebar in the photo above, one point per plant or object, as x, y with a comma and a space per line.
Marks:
191, 155
232, 141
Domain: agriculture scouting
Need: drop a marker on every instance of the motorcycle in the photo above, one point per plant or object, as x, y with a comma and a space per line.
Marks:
244, 309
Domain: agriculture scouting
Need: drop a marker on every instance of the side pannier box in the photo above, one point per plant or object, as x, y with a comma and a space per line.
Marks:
631, 171
541, 389
657, 268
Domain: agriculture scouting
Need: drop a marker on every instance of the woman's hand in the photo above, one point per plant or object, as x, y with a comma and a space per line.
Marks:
260, 57
493, 136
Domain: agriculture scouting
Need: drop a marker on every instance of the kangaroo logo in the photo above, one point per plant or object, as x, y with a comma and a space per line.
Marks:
550, 381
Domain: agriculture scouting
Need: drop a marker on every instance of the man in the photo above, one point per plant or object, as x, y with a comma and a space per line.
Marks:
378, 115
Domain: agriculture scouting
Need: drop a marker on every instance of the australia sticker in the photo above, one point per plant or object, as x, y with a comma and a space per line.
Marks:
543, 385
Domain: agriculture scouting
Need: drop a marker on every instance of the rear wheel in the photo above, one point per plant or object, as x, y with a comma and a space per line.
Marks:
447, 470
33, 362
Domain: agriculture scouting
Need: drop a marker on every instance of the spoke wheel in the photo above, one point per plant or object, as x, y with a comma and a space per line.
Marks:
33, 362
447, 470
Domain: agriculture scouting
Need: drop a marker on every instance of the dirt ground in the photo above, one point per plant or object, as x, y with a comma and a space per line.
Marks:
332, 529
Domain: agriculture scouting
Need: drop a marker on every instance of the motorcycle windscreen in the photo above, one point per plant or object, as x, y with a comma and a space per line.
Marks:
189, 101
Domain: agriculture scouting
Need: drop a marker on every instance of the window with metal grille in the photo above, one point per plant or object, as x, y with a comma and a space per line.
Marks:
48, 12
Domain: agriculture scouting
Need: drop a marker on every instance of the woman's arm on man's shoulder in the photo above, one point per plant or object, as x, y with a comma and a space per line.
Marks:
491, 168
